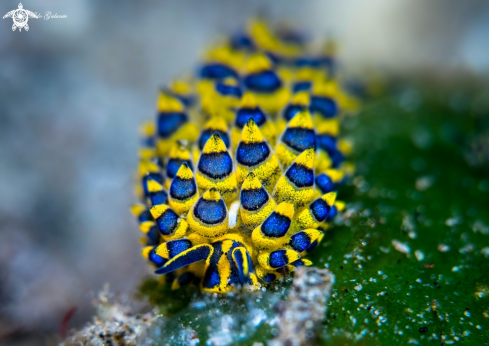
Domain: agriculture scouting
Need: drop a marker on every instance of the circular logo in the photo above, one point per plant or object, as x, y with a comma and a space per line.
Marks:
20, 17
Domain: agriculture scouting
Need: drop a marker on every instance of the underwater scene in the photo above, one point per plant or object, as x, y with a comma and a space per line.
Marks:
255, 178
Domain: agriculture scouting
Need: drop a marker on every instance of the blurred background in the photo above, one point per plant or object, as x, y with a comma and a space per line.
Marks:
73, 92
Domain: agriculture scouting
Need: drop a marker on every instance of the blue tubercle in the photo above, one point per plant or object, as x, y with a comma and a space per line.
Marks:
245, 114
173, 165
265, 81
217, 71
276, 225
251, 154
170, 122
325, 106
299, 139
324, 183
206, 134
182, 188
278, 259
300, 175
167, 222
210, 212
254, 199
320, 209
300, 241
216, 165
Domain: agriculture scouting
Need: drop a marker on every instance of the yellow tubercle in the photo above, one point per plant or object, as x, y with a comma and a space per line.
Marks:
303, 120
327, 126
253, 218
208, 218
301, 98
286, 189
167, 103
179, 151
251, 133
248, 101
271, 234
307, 158
257, 63
214, 145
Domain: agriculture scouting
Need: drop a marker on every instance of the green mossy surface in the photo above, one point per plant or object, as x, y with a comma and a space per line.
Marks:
414, 186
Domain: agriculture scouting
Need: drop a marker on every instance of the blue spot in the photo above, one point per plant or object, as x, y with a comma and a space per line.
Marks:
278, 259
324, 183
291, 110
145, 216
326, 142
216, 165
300, 241
300, 175
301, 86
332, 213
252, 154
210, 212
253, 199
265, 81
320, 209
276, 225
245, 114
173, 166
226, 90
206, 134
337, 158
182, 189
158, 198
154, 258
167, 222
170, 122
178, 246
153, 236
217, 71
299, 138
325, 106
158, 177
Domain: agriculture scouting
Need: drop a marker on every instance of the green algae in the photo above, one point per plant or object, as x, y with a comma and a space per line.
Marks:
414, 189
409, 256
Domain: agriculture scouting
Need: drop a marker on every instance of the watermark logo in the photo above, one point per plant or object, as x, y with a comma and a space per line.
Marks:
21, 16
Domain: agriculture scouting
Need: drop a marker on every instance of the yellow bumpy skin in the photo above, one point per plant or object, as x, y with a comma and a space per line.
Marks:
238, 176
215, 169
297, 183
256, 204
297, 137
183, 190
271, 234
250, 109
209, 215
255, 155
315, 213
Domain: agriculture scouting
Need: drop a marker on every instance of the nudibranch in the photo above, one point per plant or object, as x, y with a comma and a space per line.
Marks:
238, 176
